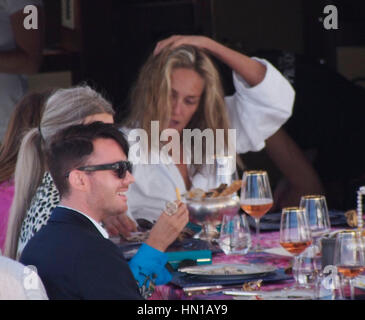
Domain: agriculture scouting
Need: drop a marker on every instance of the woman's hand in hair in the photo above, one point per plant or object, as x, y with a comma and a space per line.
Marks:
119, 225
249, 69
176, 41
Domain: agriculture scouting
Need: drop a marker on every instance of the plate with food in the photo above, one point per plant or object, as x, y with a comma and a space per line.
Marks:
208, 208
229, 271
224, 190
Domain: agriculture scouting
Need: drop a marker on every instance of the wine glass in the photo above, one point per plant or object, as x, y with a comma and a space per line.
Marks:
256, 197
317, 212
295, 234
319, 223
349, 256
235, 237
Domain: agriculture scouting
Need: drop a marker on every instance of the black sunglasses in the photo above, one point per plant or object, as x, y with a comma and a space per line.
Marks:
120, 168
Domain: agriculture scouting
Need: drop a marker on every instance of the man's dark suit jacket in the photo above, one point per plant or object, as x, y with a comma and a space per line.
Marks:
75, 261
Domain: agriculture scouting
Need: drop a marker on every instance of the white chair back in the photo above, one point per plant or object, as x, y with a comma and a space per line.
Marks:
19, 282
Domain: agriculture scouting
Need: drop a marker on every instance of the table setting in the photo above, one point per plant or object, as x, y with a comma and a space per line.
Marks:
234, 248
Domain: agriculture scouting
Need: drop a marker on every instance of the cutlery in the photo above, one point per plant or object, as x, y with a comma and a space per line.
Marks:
206, 290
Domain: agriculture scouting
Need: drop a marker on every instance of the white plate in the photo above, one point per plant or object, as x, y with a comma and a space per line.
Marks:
360, 282
228, 271
280, 251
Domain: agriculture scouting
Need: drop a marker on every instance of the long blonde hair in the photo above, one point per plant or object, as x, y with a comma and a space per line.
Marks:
64, 108
150, 96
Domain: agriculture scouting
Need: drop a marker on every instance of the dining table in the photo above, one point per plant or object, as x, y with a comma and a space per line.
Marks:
272, 254
172, 291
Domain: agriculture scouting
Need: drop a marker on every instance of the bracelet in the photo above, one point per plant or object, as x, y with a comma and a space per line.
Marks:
148, 286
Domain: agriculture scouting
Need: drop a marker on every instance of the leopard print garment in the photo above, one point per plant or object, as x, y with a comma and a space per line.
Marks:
43, 202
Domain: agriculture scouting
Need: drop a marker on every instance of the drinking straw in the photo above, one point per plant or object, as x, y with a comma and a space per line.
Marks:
178, 196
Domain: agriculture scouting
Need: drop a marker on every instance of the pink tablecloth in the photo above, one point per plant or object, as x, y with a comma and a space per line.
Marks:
268, 240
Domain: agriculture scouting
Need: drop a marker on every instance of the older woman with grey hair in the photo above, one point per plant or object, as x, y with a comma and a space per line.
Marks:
35, 193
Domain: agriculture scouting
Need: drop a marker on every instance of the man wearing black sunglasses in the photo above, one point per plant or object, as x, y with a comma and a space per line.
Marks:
74, 258
120, 168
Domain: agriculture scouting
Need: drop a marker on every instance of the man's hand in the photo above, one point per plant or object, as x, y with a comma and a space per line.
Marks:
119, 225
167, 228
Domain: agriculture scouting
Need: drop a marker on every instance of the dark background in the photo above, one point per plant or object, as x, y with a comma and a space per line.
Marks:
112, 38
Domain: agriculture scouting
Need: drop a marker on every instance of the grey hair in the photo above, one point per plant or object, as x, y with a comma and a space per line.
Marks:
65, 107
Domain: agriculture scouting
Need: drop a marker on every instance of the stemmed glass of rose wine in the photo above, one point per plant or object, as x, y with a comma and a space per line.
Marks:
349, 256
295, 233
256, 197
